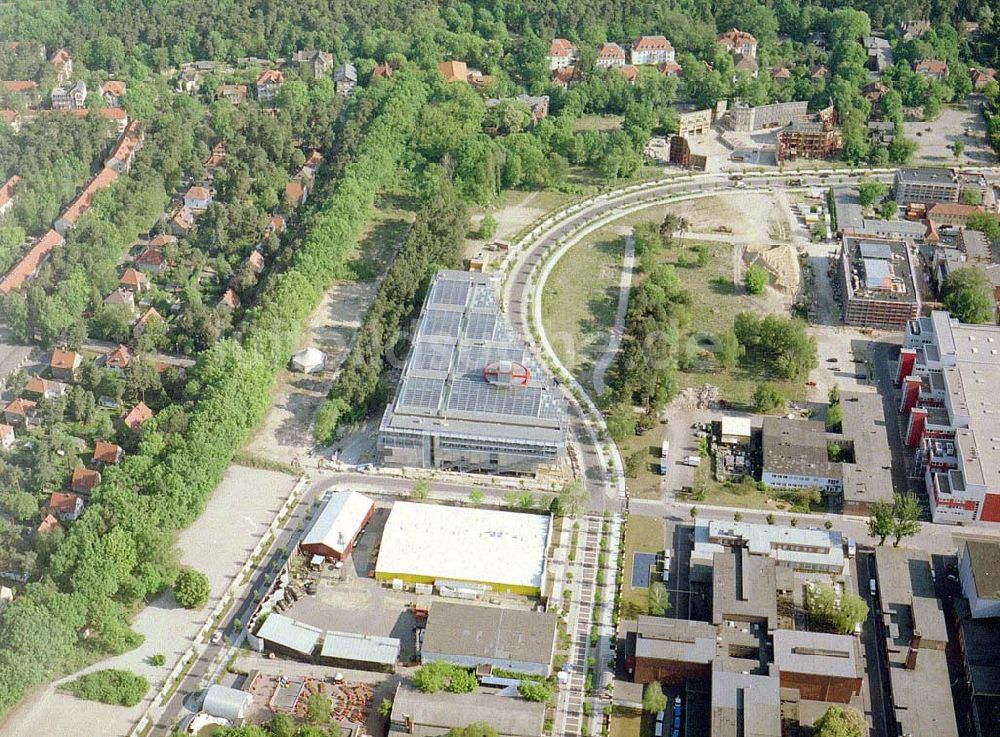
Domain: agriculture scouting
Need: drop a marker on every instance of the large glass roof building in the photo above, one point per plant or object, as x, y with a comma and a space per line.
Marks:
472, 396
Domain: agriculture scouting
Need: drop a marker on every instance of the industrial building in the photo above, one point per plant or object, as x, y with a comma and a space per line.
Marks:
741, 670
913, 636
868, 479
288, 638
426, 715
851, 220
226, 703
979, 642
926, 185
360, 652
799, 549
472, 396
465, 551
949, 373
879, 283
821, 666
746, 119
979, 572
795, 456
468, 635
335, 529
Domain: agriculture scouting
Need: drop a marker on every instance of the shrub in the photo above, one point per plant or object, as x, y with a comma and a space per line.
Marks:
119, 687
756, 279
191, 589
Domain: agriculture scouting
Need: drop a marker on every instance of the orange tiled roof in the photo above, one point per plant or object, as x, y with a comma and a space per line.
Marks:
30, 262
105, 452
7, 190
104, 179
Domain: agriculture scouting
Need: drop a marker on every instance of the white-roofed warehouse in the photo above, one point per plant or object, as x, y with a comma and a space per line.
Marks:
332, 534
424, 543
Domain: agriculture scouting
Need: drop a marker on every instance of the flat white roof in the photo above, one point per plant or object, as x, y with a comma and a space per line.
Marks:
339, 521
463, 544
739, 426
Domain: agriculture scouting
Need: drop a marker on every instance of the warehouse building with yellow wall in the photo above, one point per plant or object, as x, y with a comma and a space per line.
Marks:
503, 552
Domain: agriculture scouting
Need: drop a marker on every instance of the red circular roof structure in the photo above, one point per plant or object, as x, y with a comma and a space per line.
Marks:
506, 373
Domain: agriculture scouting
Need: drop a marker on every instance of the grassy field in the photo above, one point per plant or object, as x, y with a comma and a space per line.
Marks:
715, 302
648, 484
644, 535
598, 123
383, 234
625, 723
580, 300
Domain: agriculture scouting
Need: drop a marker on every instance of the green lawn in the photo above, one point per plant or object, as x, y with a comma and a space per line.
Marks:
383, 235
580, 300
644, 535
598, 123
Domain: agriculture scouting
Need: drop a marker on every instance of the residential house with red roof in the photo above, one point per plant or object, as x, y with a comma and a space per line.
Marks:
148, 316
230, 300
738, 42
296, 193
7, 436
118, 359
654, 50
11, 118
106, 453
83, 202
134, 281
49, 523
125, 150
819, 72
39, 388
8, 193
66, 507
934, 69
780, 74
670, 69
84, 480
982, 77
137, 416
62, 63
151, 260
454, 71
64, 365
562, 54
269, 84
31, 262
610, 55
234, 93
564, 77
19, 412
113, 92
197, 198
182, 221
630, 72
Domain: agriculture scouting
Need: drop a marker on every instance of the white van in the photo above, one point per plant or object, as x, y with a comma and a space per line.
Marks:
871, 586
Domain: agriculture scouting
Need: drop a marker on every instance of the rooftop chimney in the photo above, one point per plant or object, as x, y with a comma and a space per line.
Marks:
911, 654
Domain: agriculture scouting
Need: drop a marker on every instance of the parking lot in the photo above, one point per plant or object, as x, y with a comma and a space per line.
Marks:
936, 138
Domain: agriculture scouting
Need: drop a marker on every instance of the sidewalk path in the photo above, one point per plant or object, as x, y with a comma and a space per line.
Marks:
618, 331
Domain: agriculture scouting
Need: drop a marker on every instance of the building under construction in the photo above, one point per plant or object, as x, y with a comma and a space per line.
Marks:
472, 396
879, 283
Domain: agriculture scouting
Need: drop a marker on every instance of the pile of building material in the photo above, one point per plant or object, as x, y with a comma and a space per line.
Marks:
781, 262
701, 397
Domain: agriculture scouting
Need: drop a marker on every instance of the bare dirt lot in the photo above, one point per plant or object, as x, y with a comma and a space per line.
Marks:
752, 218
936, 138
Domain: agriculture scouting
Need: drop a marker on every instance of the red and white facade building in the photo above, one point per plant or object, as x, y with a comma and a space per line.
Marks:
562, 54
949, 373
653, 50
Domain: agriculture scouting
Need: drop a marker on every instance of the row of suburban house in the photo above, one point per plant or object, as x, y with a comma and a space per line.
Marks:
22, 412
119, 162
269, 81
